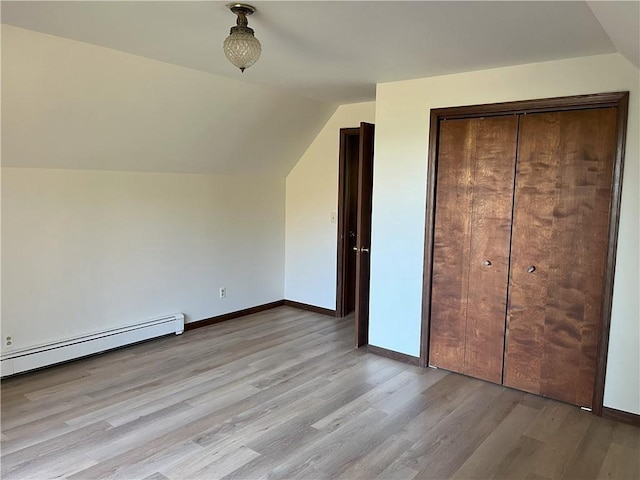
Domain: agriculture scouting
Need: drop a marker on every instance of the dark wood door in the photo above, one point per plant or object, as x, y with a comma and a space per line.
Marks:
348, 166
474, 198
363, 234
559, 248
351, 222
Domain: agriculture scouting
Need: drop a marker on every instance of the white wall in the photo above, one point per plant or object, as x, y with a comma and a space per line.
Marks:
400, 168
86, 245
84, 251
312, 194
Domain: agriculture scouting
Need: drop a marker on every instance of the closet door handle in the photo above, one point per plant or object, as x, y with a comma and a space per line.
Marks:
531, 269
486, 263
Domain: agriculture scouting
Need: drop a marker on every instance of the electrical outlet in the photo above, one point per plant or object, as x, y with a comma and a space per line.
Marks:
8, 341
223, 292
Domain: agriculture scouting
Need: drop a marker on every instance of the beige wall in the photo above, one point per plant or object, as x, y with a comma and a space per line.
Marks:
400, 168
68, 104
84, 251
312, 195
86, 243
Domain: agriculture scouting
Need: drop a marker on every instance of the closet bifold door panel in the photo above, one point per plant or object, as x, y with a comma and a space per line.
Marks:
559, 250
472, 234
523, 202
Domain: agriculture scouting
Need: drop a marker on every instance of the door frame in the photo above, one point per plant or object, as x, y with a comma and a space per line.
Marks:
343, 243
619, 100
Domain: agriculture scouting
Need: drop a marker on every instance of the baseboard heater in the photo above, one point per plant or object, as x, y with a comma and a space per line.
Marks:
22, 360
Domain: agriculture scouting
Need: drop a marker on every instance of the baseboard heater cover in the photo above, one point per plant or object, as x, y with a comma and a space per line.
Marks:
22, 360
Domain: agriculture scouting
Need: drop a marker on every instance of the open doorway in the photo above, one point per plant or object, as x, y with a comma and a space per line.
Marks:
355, 186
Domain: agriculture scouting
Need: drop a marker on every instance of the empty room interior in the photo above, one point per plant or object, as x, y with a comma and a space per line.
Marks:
318, 240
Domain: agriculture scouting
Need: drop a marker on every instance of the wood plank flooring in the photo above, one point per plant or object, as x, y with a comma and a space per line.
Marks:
282, 394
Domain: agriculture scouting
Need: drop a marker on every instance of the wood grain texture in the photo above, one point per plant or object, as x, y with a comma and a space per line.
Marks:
451, 248
622, 107
351, 230
560, 227
617, 100
538, 105
347, 207
429, 227
283, 394
476, 166
363, 239
494, 170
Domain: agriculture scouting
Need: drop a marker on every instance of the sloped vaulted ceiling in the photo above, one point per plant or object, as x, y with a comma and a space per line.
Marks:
338, 51
67, 104
621, 21
73, 98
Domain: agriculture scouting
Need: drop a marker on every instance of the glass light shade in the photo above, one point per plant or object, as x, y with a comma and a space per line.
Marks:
242, 48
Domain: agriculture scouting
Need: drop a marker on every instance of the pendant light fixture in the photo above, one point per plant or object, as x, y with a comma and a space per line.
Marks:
241, 47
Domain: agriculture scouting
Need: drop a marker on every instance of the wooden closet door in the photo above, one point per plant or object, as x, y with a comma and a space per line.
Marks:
474, 195
560, 229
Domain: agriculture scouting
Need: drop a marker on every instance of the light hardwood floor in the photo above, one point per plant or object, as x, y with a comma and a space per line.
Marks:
282, 394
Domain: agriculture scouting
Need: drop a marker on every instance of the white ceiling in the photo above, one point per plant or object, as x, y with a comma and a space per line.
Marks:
337, 51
